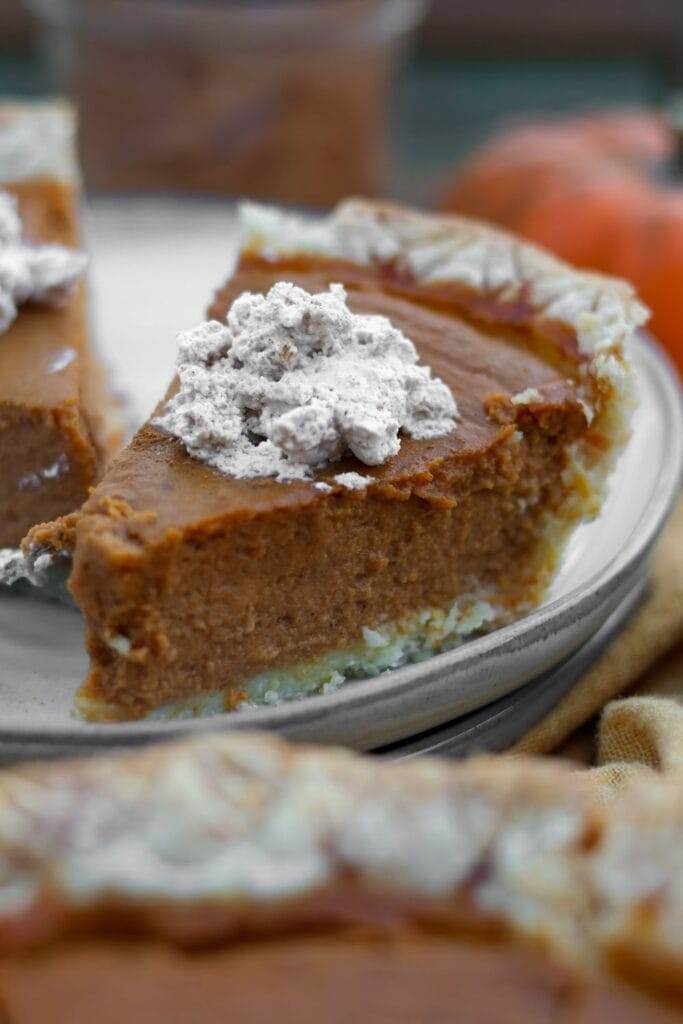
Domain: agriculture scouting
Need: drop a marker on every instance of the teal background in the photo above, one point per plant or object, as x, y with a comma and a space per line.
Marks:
443, 106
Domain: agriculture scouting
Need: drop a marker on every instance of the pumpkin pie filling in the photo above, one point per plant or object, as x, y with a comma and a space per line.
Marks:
202, 591
57, 421
383, 978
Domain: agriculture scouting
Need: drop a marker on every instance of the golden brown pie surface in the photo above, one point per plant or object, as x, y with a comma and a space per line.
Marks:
194, 584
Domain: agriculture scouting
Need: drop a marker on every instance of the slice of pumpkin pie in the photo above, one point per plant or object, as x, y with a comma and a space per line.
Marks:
57, 423
375, 448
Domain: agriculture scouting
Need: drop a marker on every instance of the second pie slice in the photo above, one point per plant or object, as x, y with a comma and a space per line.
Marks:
203, 590
59, 423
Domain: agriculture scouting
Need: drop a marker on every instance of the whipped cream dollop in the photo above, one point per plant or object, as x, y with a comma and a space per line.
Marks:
31, 273
293, 381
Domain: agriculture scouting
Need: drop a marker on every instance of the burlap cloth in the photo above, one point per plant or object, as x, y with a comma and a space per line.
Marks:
642, 730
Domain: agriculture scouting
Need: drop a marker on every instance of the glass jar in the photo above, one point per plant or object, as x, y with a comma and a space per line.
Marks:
276, 100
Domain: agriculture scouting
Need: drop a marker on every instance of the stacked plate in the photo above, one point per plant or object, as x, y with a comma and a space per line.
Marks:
483, 695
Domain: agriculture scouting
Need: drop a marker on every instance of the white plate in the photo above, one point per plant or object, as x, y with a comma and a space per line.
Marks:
41, 645
498, 725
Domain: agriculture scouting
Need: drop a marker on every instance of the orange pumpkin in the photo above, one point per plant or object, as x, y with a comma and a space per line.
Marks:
581, 187
648, 250
582, 224
507, 180
629, 136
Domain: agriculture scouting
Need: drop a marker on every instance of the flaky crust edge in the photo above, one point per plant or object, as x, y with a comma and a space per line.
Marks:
602, 311
230, 834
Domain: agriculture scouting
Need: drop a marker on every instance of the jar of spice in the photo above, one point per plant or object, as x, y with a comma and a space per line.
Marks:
276, 100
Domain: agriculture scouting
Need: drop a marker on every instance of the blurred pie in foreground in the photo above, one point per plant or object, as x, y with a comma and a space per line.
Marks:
235, 877
380, 452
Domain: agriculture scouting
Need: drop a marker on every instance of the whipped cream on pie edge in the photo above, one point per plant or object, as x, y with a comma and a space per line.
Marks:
293, 381
602, 312
31, 273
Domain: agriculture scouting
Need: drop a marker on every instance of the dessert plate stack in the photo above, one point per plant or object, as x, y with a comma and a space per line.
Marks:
482, 695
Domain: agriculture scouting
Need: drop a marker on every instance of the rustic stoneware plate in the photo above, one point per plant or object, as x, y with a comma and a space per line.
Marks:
150, 283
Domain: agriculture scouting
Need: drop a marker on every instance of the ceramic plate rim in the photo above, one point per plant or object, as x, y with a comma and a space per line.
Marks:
370, 692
